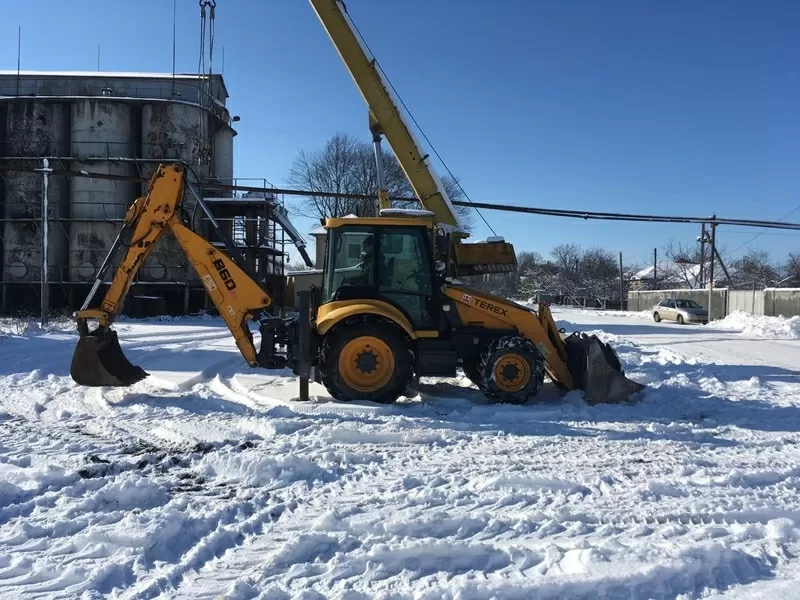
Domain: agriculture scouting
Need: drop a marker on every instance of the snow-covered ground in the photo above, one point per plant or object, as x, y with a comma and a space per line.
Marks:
207, 480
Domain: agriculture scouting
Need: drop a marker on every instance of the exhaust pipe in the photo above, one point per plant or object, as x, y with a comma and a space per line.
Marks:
99, 361
596, 369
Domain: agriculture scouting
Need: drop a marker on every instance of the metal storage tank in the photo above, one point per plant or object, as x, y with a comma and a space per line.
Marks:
35, 128
100, 128
223, 154
175, 131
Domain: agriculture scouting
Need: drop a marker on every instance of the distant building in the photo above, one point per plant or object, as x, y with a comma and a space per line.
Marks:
667, 274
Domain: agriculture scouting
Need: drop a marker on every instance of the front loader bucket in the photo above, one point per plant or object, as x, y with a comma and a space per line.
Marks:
595, 369
99, 361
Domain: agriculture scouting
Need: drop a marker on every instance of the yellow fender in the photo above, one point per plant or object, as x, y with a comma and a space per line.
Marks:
332, 313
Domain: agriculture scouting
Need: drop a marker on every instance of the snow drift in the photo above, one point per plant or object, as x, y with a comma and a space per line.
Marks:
761, 326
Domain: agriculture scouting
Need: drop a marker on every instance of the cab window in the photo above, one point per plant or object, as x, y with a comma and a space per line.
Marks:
405, 277
349, 260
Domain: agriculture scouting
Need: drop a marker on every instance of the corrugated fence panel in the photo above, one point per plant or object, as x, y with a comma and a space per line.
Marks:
782, 302
773, 302
750, 301
645, 299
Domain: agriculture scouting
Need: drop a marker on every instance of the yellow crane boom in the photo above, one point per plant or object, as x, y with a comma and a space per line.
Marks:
385, 118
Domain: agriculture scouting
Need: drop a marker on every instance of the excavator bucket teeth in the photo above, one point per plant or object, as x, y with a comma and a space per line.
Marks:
595, 368
99, 361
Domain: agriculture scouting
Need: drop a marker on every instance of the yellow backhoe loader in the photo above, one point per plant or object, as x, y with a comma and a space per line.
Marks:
390, 309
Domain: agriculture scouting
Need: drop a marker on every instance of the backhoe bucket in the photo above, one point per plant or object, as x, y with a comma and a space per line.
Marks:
99, 361
596, 369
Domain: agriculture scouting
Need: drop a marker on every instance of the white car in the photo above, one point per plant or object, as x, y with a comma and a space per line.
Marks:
681, 310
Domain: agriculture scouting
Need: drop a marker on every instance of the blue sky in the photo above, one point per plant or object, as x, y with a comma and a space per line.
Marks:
677, 107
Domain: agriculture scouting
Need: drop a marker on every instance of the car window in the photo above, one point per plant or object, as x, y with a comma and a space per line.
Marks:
681, 304
663, 303
670, 303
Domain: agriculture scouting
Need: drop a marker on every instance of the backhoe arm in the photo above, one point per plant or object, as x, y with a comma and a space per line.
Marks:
146, 221
98, 359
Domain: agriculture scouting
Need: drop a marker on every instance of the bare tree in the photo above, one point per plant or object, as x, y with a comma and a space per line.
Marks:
686, 259
755, 268
566, 257
346, 165
792, 267
599, 272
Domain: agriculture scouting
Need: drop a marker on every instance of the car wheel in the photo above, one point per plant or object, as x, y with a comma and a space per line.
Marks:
657, 317
680, 319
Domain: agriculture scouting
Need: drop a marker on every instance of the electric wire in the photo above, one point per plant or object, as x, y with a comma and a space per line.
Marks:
411, 116
515, 208
759, 234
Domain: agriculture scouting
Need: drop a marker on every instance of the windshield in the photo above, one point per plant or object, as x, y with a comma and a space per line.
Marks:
686, 304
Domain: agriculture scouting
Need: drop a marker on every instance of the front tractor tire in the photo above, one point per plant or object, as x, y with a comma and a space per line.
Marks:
366, 358
511, 370
471, 369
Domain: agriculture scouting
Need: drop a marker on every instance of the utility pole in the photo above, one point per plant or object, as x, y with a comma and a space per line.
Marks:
621, 285
701, 275
655, 267
713, 226
44, 283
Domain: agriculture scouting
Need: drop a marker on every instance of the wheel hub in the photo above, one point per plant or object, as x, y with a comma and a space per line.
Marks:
367, 362
511, 372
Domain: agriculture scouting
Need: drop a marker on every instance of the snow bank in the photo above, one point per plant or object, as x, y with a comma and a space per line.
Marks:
252, 469
642, 314
761, 326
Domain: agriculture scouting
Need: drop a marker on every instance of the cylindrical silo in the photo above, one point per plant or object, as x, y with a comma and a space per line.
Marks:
223, 154
100, 128
33, 129
180, 132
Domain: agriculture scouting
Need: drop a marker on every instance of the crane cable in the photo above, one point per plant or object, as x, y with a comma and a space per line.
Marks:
403, 104
203, 85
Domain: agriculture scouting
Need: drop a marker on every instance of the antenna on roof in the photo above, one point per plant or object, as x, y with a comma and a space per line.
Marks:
19, 53
174, 2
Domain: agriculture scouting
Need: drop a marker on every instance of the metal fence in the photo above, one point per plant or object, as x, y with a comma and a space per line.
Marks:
772, 302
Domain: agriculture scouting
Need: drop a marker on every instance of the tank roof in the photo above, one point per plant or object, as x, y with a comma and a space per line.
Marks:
6, 73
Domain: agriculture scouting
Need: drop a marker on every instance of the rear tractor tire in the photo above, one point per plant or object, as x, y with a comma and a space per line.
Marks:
366, 358
511, 370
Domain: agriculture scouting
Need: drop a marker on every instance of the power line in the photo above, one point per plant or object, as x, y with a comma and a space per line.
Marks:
411, 116
531, 210
763, 233
758, 235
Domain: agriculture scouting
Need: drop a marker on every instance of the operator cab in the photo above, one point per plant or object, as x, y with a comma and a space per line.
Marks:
386, 259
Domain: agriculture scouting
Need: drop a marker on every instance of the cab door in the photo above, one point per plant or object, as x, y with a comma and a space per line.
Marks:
405, 276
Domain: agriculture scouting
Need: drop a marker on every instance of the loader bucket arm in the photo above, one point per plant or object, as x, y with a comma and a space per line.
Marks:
574, 361
99, 359
593, 365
